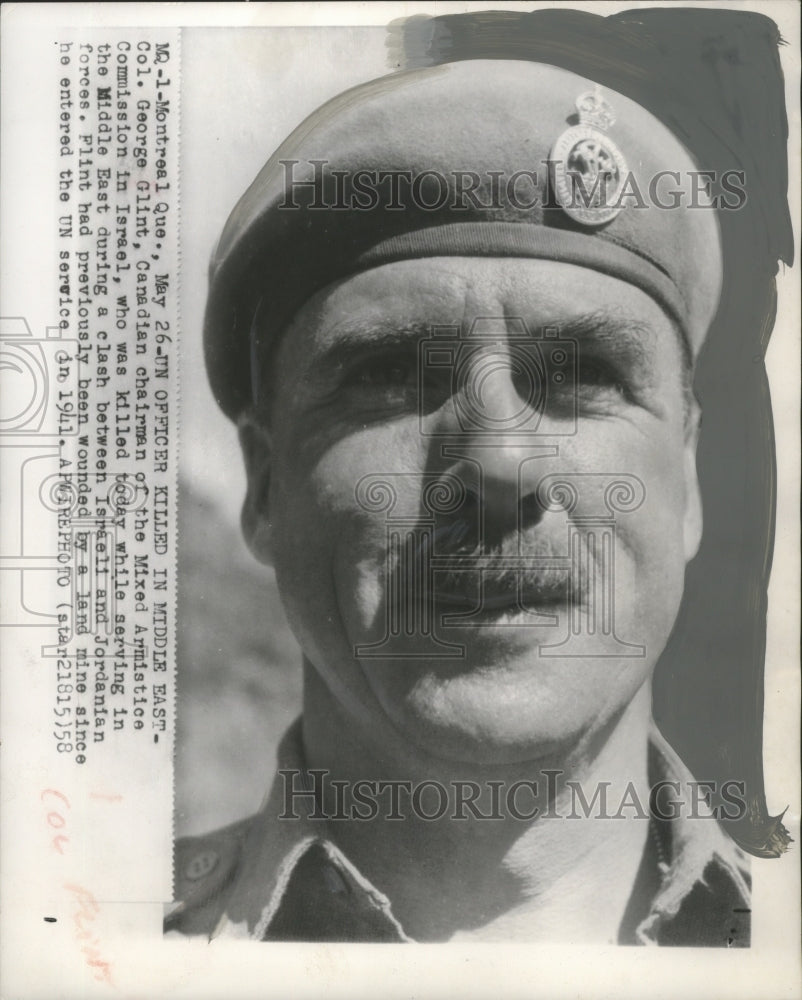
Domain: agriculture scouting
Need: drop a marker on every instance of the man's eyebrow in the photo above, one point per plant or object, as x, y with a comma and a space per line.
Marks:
355, 340
604, 328
620, 338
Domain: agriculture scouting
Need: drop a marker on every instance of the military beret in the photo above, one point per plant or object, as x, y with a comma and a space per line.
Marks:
495, 158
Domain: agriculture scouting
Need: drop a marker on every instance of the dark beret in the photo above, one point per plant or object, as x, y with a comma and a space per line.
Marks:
497, 158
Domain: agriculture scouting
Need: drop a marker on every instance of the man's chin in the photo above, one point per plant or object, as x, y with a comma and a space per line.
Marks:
489, 714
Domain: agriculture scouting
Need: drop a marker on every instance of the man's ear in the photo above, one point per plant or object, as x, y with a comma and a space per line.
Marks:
254, 440
692, 523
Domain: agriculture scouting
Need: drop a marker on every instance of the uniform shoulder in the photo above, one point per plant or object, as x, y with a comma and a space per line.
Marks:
205, 867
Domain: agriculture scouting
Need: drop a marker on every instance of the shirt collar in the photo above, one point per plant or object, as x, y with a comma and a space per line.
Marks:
692, 845
274, 848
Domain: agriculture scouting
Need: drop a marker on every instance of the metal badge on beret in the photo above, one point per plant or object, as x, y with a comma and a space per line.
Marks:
588, 170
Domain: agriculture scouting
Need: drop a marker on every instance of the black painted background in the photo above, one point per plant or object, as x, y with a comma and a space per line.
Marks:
714, 77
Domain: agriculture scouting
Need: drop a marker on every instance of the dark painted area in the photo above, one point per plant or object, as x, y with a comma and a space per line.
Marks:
714, 77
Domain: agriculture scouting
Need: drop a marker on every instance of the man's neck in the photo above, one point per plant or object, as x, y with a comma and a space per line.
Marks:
564, 874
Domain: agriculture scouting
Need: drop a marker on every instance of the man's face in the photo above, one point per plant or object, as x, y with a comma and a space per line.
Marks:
567, 588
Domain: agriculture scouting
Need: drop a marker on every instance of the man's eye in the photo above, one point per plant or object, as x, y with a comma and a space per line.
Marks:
599, 377
383, 374
380, 384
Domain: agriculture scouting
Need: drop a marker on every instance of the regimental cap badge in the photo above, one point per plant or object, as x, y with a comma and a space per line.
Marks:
588, 171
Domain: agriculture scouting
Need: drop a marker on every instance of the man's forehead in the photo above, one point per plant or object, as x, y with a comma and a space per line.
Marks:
474, 297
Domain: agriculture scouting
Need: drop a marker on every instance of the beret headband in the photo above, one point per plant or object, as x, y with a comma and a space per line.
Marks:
495, 158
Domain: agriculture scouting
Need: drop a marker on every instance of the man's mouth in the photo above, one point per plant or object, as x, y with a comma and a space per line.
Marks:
532, 599
479, 591
512, 581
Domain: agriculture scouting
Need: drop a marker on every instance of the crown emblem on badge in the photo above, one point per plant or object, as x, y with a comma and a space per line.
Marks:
588, 171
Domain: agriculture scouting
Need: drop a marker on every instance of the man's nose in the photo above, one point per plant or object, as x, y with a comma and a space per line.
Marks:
492, 439
497, 390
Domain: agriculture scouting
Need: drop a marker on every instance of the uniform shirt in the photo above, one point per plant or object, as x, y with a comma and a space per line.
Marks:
285, 880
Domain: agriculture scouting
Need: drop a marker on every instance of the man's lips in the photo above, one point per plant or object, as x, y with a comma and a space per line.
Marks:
498, 600
535, 577
553, 593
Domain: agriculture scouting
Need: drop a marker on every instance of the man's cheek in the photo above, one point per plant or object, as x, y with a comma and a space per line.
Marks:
321, 527
362, 595
649, 568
